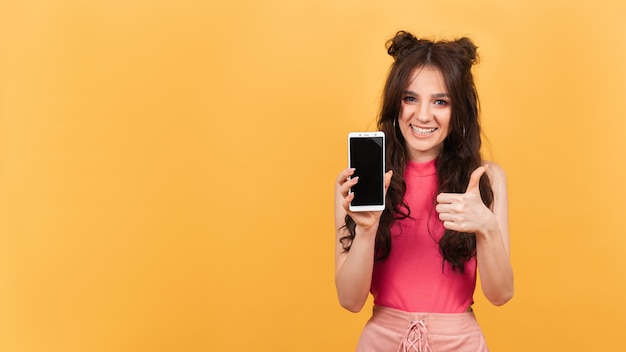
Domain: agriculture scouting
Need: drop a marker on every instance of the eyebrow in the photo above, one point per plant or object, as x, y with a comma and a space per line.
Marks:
437, 95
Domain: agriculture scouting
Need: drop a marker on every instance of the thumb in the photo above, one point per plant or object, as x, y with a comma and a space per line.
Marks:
475, 179
388, 175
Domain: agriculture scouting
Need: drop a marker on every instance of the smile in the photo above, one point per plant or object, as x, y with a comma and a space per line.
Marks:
423, 131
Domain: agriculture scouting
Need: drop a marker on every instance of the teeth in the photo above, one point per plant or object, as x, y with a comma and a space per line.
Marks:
420, 130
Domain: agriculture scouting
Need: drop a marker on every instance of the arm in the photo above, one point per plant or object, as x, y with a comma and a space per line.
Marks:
353, 269
493, 246
466, 213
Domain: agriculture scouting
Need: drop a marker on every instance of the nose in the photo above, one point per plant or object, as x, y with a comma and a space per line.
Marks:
423, 113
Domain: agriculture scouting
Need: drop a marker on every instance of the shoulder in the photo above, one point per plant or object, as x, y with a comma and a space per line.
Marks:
497, 178
494, 170
496, 174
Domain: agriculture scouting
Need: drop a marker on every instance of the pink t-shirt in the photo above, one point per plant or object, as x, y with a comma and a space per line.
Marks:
414, 278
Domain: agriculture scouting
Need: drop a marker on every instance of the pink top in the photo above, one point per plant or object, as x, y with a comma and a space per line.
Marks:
412, 278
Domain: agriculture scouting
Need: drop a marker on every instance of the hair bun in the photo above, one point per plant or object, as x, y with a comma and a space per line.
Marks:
403, 43
462, 50
468, 48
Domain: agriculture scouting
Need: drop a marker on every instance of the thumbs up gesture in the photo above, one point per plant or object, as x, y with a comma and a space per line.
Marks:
465, 212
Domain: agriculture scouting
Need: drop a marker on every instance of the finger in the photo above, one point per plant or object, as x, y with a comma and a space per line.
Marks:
345, 187
448, 198
475, 178
388, 176
346, 203
444, 208
344, 175
454, 226
458, 226
446, 217
449, 225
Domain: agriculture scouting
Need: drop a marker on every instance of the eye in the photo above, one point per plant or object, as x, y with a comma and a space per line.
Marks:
441, 102
409, 99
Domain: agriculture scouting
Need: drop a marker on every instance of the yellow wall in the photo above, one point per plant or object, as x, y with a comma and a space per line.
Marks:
166, 167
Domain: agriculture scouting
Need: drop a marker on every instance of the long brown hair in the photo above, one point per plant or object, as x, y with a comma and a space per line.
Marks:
460, 153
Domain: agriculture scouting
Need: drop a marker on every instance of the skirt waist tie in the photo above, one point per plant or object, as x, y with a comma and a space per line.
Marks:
415, 338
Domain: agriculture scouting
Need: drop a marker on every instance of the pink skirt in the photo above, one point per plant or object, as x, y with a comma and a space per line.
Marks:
395, 330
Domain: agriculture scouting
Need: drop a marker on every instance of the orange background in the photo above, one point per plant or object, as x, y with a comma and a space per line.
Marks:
166, 167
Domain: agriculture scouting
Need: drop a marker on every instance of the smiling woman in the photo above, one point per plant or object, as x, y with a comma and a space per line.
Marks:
425, 112
165, 168
421, 268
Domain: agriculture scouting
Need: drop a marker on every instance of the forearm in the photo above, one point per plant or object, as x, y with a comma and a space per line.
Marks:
494, 267
353, 277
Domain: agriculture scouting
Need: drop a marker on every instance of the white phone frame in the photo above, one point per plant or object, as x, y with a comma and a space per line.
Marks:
372, 207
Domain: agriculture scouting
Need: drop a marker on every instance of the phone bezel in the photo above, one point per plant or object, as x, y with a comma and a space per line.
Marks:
369, 207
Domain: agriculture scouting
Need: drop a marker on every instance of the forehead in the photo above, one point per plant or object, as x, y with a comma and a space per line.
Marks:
426, 75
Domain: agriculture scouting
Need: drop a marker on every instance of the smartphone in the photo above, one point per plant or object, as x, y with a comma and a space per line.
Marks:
366, 154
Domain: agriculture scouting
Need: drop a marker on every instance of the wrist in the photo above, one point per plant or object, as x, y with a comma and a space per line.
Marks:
366, 231
490, 229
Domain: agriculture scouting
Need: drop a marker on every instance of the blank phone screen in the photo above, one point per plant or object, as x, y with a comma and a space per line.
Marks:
366, 157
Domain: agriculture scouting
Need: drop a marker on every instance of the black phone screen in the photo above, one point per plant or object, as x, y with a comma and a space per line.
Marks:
366, 157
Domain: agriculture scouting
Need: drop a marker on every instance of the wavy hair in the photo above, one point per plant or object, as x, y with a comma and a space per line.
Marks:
460, 153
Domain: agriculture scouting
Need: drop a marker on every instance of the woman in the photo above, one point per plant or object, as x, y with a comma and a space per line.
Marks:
446, 214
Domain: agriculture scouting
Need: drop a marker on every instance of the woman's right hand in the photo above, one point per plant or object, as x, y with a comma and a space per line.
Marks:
353, 268
366, 220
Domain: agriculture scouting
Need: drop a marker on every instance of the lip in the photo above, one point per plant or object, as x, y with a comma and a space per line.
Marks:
422, 132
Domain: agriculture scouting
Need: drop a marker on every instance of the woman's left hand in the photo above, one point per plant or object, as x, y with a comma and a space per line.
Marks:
465, 212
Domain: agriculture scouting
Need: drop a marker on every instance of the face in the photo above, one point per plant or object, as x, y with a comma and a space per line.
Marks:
425, 114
